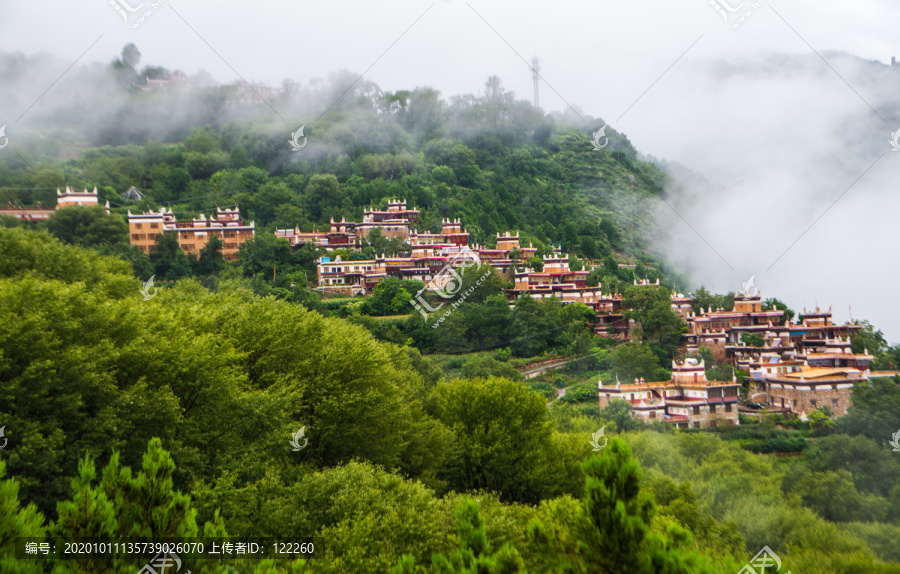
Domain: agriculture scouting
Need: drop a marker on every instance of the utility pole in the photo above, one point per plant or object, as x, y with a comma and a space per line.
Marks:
536, 76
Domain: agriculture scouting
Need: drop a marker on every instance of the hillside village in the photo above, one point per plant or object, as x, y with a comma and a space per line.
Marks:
799, 367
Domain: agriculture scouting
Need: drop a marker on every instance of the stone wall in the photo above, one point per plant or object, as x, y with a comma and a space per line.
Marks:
803, 399
345, 290
718, 351
703, 415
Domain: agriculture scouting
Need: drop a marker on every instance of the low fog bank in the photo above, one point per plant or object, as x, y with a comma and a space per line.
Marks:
759, 151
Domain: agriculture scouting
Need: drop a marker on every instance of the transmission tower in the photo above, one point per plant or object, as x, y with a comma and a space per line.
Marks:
536, 76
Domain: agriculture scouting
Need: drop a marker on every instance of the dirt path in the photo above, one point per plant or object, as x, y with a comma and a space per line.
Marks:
560, 394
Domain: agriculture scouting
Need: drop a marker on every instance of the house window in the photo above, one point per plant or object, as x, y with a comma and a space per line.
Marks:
834, 402
812, 403
712, 409
154, 226
696, 410
653, 415
728, 408
833, 387
135, 236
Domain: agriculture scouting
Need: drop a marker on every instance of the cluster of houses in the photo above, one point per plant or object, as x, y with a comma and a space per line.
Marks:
430, 253
799, 367
143, 228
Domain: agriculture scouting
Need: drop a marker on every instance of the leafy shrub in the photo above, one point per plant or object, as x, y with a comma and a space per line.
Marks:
455, 363
589, 409
789, 421
484, 366
753, 340
580, 393
545, 389
502, 355
747, 419
778, 444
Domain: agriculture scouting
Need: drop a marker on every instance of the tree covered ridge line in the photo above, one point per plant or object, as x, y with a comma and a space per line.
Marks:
492, 160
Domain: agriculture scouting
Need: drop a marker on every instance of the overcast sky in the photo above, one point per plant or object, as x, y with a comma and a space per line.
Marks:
778, 143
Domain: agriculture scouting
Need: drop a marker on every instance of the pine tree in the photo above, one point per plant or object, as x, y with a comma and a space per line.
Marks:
617, 514
474, 555
614, 530
16, 522
123, 508
89, 514
147, 505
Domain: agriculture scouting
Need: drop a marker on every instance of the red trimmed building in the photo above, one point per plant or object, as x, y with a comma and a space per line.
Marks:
688, 400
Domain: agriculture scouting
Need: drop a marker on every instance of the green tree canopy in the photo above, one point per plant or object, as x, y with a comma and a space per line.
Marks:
652, 308
475, 554
777, 304
263, 254
17, 522
391, 297
868, 338
484, 366
634, 360
210, 260
168, 259
503, 437
875, 411
87, 226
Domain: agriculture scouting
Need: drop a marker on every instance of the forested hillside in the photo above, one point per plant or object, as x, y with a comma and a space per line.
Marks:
198, 393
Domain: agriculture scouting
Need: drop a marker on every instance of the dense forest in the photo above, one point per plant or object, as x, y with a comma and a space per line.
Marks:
173, 416
426, 450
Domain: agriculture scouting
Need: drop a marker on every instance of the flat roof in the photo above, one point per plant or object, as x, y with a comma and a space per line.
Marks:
818, 373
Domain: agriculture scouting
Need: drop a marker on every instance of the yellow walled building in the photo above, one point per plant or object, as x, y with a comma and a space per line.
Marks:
192, 235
